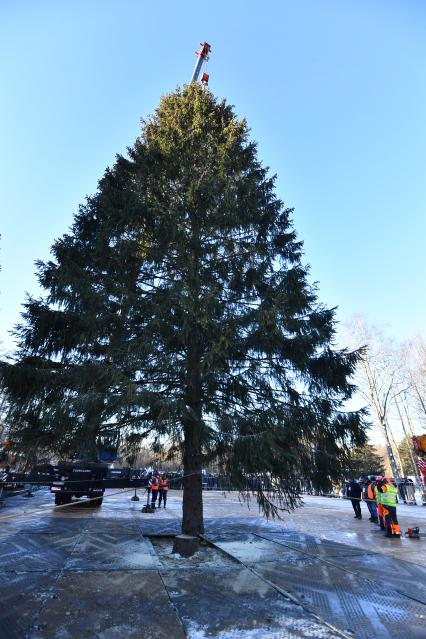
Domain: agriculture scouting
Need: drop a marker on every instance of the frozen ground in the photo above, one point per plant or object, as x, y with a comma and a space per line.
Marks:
109, 572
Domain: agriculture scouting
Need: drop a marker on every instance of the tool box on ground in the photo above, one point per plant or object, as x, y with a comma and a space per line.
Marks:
413, 533
148, 508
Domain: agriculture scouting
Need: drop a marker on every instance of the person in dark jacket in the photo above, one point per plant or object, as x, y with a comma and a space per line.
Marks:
153, 485
354, 491
370, 499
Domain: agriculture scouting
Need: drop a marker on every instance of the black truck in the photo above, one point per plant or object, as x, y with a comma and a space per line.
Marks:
69, 479
79, 479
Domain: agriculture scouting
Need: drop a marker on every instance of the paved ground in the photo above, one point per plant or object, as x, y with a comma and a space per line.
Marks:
109, 572
333, 519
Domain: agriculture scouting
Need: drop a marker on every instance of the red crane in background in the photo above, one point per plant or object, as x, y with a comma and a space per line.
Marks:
202, 56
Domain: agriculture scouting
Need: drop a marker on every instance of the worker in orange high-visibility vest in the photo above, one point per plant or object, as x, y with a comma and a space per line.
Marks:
378, 495
388, 500
371, 501
153, 484
163, 487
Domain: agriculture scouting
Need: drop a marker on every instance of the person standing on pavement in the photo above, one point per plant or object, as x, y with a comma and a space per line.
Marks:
163, 487
363, 481
353, 491
371, 501
378, 494
148, 487
388, 500
153, 484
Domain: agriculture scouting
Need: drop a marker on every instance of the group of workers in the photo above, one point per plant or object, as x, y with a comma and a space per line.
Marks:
158, 486
381, 496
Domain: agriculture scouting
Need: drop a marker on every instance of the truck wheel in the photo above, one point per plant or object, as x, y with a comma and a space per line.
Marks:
95, 502
58, 500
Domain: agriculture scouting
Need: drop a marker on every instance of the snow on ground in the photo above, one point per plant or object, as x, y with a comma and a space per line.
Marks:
292, 629
206, 556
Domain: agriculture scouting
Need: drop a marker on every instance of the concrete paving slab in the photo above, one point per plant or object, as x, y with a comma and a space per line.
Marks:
315, 571
314, 545
333, 519
117, 505
402, 576
154, 527
254, 550
110, 515
113, 550
20, 513
229, 527
349, 602
228, 533
6, 532
318, 530
116, 526
22, 596
50, 525
105, 605
36, 552
57, 521
239, 605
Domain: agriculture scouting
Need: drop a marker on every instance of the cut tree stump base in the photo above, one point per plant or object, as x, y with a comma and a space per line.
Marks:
185, 545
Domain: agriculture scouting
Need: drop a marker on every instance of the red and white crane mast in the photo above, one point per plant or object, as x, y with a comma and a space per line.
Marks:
202, 56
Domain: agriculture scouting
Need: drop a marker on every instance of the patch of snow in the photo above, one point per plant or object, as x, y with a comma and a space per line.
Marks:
118, 632
241, 584
293, 629
205, 557
62, 633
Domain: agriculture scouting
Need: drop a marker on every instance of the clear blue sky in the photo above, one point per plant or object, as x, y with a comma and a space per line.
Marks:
334, 92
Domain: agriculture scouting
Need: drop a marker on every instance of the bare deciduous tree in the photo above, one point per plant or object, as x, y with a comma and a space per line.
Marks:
414, 356
378, 379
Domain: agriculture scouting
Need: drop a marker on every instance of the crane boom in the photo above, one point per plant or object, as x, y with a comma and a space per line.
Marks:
202, 56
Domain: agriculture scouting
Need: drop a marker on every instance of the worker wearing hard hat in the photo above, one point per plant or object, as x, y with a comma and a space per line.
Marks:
388, 500
378, 496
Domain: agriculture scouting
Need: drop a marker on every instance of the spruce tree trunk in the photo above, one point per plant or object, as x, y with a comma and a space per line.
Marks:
192, 515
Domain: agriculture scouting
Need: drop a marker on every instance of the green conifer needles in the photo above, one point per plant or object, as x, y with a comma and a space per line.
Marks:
178, 306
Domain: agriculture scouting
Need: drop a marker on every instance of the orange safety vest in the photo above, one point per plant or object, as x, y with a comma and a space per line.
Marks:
163, 484
370, 493
154, 484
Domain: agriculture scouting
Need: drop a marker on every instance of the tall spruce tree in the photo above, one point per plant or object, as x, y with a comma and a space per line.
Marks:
406, 454
364, 460
177, 308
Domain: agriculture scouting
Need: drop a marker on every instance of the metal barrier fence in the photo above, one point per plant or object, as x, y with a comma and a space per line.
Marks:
409, 493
